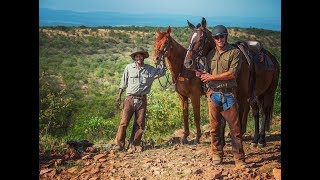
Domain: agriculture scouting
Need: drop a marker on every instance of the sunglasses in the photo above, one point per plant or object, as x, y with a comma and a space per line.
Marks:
219, 37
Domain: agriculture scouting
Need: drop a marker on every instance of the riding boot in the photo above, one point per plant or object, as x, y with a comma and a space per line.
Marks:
215, 129
231, 115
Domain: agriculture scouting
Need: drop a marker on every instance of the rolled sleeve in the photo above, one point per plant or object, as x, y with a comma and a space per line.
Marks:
160, 71
235, 62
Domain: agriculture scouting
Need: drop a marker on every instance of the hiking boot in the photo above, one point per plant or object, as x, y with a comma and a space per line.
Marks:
216, 159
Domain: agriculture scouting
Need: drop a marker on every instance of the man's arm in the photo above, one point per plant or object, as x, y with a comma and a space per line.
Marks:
123, 85
119, 98
205, 77
160, 71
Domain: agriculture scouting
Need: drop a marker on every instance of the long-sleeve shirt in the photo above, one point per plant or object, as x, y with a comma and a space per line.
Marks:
229, 60
138, 82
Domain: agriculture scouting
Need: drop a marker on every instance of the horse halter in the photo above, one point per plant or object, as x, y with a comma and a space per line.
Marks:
199, 53
162, 53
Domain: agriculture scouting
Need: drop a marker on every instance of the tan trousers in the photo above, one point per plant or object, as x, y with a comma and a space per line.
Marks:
138, 107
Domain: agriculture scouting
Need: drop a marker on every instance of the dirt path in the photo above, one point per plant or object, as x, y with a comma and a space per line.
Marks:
173, 161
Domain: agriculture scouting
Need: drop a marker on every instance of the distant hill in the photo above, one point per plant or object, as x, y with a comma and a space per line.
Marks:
50, 17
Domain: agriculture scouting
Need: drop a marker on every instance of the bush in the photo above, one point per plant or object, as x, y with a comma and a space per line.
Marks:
93, 128
164, 114
55, 106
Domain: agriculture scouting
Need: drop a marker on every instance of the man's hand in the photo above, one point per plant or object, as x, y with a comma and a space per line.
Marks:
119, 98
118, 102
205, 77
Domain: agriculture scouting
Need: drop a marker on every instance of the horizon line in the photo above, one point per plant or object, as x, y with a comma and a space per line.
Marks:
79, 11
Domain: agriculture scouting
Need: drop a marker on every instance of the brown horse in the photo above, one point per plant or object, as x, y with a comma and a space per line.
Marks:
187, 85
257, 81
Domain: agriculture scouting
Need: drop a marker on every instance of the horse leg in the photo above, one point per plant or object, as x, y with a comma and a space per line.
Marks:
262, 140
185, 111
222, 131
267, 107
255, 112
244, 108
195, 100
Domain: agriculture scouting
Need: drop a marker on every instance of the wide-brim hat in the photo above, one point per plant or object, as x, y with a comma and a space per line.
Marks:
139, 50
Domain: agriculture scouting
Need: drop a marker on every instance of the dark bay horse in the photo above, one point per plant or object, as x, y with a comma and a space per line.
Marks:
187, 85
257, 81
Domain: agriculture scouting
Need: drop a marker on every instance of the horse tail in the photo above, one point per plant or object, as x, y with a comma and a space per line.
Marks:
272, 88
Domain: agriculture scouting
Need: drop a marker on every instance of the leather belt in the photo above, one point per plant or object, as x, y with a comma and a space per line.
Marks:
138, 96
223, 90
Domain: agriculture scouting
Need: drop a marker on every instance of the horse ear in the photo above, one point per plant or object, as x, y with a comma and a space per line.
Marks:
158, 31
204, 22
191, 26
169, 30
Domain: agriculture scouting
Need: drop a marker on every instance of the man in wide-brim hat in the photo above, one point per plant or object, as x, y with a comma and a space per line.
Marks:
137, 79
139, 50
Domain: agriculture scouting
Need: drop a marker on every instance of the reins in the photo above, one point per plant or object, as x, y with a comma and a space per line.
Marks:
162, 60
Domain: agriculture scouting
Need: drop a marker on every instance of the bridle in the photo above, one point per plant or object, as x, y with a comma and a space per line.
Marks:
162, 53
200, 58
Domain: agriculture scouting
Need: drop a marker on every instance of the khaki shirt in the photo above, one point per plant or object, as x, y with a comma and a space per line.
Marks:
138, 82
229, 60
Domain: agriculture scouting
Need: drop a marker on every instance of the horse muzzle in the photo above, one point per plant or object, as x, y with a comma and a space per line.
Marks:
188, 63
157, 60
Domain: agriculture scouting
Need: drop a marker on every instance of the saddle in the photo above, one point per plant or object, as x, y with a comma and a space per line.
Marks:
256, 54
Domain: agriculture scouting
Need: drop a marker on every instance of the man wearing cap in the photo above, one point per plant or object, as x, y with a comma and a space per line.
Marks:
137, 79
225, 66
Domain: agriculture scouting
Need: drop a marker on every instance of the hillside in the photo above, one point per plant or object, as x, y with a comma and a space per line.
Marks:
80, 70
171, 160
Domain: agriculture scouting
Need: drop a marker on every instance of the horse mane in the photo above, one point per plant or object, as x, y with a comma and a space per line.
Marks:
176, 57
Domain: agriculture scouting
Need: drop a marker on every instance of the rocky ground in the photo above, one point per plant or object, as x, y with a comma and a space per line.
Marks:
170, 160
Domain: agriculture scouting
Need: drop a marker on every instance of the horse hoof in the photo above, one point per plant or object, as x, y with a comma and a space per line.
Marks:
261, 145
196, 142
254, 144
184, 141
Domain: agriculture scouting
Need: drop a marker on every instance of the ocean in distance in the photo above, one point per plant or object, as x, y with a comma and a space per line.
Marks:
50, 17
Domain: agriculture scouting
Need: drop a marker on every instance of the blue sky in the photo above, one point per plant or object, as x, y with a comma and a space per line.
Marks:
207, 8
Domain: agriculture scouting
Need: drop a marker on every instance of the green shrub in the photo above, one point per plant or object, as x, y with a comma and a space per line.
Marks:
93, 128
55, 106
